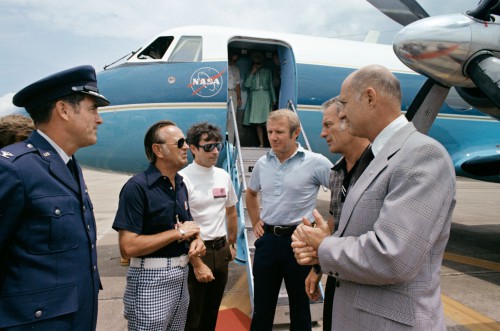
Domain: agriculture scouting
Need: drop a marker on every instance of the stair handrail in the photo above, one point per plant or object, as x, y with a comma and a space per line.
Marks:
238, 145
291, 106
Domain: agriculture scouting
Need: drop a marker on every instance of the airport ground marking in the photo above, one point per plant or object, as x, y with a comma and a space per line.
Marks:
468, 317
494, 266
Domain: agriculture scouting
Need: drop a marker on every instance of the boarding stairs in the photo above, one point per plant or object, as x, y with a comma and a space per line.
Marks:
241, 161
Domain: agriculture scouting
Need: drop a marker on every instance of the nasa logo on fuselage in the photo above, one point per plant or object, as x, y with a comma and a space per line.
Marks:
206, 82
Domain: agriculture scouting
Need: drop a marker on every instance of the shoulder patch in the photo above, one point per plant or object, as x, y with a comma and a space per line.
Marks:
15, 150
6, 154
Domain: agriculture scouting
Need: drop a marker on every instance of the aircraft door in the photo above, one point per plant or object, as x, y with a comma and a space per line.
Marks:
288, 86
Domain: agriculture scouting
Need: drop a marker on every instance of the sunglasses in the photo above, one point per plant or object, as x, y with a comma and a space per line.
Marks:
180, 143
210, 147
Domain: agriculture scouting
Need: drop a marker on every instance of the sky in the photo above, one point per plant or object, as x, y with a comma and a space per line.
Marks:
41, 37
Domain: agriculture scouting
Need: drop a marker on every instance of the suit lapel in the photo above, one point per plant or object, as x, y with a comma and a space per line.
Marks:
377, 165
61, 171
56, 164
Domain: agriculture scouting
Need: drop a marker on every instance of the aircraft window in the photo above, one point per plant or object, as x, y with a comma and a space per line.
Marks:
188, 50
156, 49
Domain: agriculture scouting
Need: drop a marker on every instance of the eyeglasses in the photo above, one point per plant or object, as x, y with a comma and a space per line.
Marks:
210, 147
180, 143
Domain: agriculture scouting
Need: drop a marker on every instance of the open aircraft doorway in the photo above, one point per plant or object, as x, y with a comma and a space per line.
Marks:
278, 59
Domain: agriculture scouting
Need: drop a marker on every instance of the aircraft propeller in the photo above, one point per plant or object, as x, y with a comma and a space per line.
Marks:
451, 50
403, 12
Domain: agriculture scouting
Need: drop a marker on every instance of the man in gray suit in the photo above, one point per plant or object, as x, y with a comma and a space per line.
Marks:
395, 222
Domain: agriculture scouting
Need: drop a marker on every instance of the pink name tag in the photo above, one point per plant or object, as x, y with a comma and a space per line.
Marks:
219, 192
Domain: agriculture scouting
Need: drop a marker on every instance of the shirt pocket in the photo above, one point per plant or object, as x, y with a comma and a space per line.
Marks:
52, 227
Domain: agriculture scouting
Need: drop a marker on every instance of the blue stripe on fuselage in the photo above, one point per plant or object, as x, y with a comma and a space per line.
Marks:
143, 94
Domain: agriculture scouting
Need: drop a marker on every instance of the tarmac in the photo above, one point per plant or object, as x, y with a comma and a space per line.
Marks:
470, 275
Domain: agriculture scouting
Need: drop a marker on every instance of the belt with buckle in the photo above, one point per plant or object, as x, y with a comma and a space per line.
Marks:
159, 262
280, 230
216, 244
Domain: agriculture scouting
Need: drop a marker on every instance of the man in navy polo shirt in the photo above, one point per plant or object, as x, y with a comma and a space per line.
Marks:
157, 233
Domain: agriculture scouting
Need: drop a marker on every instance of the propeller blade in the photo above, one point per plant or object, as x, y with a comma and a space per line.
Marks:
496, 9
425, 107
484, 71
485, 9
403, 12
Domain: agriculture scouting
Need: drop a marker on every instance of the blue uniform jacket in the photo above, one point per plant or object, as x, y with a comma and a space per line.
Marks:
48, 261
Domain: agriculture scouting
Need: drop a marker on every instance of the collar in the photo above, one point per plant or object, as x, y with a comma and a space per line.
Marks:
385, 135
300, 152
340, 164
153, 174
201, 168
65, 157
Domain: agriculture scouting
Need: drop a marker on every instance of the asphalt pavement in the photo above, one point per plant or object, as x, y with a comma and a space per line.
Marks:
470, 276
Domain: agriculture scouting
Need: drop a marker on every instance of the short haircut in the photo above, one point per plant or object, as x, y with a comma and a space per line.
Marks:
14, 128
43, 113
153, 137
196, 131
328, 103
293, 119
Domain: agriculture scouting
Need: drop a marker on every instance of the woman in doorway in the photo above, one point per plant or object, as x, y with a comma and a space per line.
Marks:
261, 96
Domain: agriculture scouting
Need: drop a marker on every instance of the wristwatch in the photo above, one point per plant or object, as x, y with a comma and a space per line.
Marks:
317, 269
233, 246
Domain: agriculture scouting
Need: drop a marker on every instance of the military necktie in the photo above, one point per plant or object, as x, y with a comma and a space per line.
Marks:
72, 169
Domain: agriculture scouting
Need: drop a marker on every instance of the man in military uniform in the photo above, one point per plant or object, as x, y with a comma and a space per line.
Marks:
48, 261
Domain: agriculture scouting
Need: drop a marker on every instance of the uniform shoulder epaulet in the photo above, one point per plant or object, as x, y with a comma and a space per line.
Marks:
12, 152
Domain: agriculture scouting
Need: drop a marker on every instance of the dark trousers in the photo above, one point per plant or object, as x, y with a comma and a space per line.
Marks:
328, 303
273, 262
205, 298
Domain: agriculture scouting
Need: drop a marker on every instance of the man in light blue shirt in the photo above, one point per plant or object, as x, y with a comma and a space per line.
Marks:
289, 178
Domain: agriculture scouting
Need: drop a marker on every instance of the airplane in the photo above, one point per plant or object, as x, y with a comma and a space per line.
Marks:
181, 74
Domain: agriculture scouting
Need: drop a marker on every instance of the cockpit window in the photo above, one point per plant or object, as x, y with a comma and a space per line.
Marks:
188, 49
156, 49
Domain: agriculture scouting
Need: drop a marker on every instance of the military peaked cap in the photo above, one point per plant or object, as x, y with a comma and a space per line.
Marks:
81, 79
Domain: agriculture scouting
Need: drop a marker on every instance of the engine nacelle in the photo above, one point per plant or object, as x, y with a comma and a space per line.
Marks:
477, 99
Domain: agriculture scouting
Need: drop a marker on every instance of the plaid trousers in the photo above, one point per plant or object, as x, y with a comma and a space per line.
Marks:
156, 299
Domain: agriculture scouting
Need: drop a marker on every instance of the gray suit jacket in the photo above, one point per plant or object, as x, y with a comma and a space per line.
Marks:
393, 231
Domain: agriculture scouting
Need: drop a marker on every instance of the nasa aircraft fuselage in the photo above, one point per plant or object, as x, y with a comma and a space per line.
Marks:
181, 75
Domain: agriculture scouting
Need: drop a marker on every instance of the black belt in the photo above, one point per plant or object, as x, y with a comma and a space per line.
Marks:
216, 243
280, 230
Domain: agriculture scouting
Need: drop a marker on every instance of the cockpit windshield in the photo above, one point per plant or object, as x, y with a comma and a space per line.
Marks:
156, 49
188, 49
